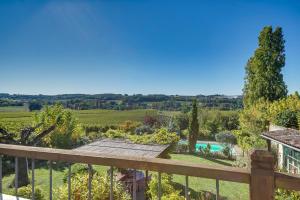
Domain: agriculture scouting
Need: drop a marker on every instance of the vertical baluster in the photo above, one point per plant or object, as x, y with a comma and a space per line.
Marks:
69, 182
1, 176
111, 194
90, 181
217, 189
16, 175
50, 180
134, 186
186, 187
159, 186
32, 178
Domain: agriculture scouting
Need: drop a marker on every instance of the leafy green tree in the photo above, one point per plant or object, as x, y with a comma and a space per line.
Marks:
27, 136
194, 127
53, 126
68, 130
34, 105
182, 121
264, 79
285, 112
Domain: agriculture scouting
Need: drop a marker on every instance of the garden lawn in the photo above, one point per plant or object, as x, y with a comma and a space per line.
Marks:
231, 190
42, 179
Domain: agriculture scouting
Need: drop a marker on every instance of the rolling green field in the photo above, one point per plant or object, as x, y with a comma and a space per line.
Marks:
13, 109
85, 117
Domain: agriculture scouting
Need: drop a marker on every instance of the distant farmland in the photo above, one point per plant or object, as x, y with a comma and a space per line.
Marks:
100, 117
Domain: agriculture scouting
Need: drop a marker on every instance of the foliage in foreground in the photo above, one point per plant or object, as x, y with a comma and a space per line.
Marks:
167, 189
282, 194
100, 188
26, 192
160, 136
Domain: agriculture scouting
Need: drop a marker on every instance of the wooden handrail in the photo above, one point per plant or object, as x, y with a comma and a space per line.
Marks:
282, 180
153, 164
287, 181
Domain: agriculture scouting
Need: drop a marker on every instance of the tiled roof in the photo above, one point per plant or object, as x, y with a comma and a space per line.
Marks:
287, 136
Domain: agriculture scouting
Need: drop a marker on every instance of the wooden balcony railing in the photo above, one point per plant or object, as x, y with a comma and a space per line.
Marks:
261, 178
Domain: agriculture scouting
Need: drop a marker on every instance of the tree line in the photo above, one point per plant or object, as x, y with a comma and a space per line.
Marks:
123, 102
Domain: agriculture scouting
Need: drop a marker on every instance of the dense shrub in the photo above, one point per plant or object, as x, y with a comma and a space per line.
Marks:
287, 118
182, 121
100, 188
282, 194
151, 119
76, 169
26, 192
167, 189
129, 126
97, 128
284, 112
162, 136
34, 106
143, 130
181, 148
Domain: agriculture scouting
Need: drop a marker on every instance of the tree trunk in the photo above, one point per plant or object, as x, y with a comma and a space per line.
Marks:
23, 179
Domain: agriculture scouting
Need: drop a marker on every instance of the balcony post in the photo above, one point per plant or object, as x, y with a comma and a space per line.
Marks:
262, 183
269, 145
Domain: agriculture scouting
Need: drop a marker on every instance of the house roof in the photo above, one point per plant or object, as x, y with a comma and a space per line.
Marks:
289, 137
118, 147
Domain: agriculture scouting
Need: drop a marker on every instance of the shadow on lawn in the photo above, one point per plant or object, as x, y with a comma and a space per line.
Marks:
218, 161
197, 195
57, 166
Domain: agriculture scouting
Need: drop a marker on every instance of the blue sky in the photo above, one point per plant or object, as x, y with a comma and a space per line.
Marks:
135, 46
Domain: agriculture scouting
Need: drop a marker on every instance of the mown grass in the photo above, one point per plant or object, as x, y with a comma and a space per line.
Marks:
42, 179
230, 190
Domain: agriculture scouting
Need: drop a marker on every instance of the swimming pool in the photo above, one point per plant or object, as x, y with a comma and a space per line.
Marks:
214, 147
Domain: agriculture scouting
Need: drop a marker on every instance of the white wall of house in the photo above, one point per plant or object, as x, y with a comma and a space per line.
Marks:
279, 146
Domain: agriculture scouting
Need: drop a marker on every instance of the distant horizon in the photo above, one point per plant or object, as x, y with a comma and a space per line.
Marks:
121, 94
139, 47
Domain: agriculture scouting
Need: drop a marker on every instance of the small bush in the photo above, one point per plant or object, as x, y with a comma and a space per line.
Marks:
167, 189
182, 148
77, 169
282, 194
100, 188
129, 126
227, 151
143, 130
114, 134
26, 192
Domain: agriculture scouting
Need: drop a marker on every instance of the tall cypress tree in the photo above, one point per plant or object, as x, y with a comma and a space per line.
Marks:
264, 79
194, 127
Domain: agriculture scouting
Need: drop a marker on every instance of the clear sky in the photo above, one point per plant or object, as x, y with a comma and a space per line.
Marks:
135, 46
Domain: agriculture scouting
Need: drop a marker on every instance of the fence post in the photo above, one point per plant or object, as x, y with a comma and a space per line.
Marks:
262, 183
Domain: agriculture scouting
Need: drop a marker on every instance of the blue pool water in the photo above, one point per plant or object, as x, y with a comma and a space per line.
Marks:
213, 147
